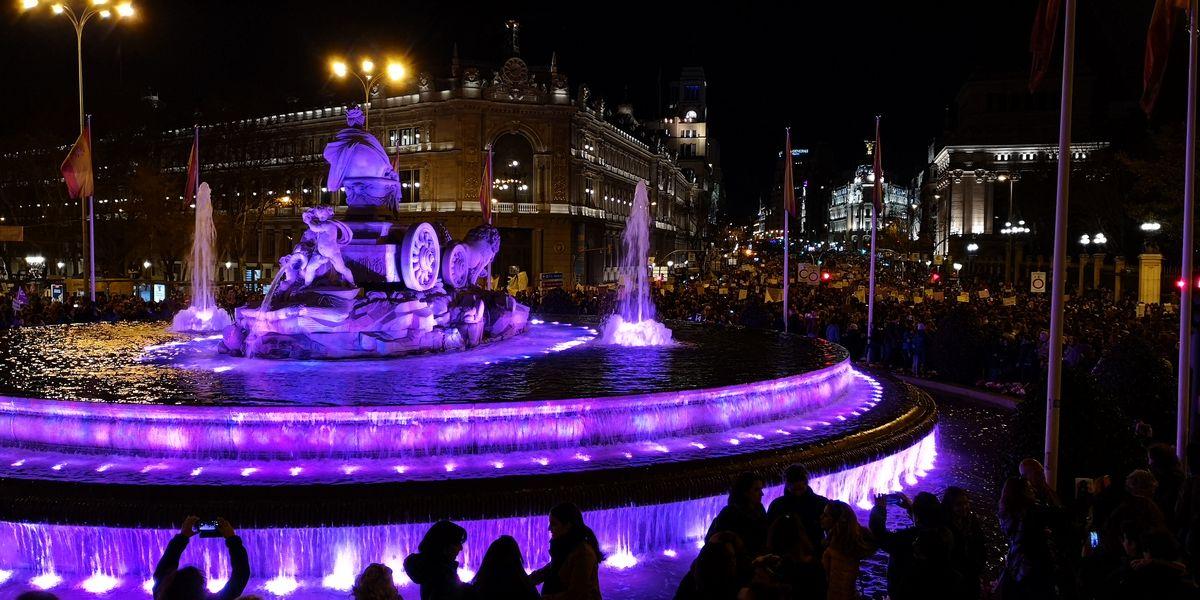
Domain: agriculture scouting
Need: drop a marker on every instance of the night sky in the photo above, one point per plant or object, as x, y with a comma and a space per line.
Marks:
823, 68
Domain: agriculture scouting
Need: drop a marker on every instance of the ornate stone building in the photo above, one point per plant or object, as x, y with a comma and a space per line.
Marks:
850, 208
564, 171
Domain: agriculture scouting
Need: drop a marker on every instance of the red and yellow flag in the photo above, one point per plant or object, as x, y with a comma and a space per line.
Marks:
193, 170
77, 168
1163, 24
485, 189
1041, 40
789, 189
878, 169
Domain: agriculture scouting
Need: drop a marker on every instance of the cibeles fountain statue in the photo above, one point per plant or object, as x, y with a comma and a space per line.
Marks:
365, 285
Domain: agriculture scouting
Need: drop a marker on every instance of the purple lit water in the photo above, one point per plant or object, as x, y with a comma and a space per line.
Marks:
323, 561
550, 402
203, 315
111, 363
634, 324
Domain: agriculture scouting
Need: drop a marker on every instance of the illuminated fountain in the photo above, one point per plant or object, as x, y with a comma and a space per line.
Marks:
633, 324
109, 433
365, 286
203, 315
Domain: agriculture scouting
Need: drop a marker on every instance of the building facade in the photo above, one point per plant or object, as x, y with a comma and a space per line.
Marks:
564, 172
850, 208
971, 190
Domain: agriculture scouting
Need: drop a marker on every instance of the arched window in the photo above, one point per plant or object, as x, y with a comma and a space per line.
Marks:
512, 169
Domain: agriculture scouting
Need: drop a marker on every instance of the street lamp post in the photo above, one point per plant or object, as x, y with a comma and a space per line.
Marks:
79, 18
369, 78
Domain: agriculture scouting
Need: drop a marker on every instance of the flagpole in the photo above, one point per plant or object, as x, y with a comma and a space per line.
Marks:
90, 225
875, 204
1058, 276
1184, 404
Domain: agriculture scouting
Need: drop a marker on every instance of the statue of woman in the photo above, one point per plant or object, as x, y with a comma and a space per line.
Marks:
356, 153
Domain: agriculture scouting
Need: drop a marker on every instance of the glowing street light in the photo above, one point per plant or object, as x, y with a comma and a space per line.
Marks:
1150, 226
972, 247
368, 76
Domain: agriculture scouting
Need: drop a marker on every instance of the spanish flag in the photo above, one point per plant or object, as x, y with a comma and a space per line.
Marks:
485, 189
789, 189
1163, 25
1041, 40
193, 169
77, 168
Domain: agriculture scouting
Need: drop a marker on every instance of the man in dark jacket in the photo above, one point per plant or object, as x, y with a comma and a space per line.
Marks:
189, 582
918, 556
800, 500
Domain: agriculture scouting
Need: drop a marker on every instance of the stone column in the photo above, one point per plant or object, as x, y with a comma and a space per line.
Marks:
1097, 264
1118, 269
1150, 278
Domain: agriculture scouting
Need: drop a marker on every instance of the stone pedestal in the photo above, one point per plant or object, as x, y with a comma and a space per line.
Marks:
1150, 278
1097, 264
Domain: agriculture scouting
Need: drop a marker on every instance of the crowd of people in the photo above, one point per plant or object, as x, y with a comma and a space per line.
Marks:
998, 337
22, 306
1133, 536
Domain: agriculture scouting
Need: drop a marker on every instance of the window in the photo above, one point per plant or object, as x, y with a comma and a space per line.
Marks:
691, 92
393, 137
410, 184
410, 136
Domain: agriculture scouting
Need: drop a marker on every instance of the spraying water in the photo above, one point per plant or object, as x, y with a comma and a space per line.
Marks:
633, 324
203, 315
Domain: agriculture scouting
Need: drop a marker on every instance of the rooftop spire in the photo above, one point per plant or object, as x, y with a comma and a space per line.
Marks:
514, 41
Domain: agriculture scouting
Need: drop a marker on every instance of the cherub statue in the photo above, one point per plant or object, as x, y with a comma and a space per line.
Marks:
292, 266
327, 237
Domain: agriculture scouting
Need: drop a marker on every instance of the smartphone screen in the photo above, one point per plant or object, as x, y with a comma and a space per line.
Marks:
1094, 538
207, 529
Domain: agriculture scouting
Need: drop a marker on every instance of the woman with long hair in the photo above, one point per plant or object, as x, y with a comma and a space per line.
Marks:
1029, 567
847, 545
502, 574
434, 567
573, 572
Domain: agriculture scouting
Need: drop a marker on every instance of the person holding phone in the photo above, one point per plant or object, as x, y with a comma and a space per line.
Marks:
188, 583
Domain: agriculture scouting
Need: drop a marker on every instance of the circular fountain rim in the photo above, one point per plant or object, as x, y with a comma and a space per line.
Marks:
366, 412
415, 501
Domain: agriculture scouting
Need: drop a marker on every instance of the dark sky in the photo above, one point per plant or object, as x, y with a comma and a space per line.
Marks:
825, 68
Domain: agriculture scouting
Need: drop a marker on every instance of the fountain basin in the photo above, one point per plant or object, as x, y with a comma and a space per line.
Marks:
327, 466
